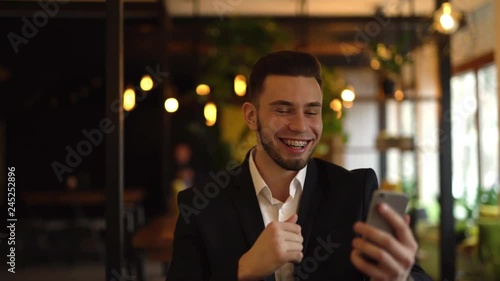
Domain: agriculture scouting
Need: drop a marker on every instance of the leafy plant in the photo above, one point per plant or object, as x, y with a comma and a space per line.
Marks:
390, 58
235, 45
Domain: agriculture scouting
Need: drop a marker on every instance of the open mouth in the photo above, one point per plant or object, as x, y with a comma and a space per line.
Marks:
295, 144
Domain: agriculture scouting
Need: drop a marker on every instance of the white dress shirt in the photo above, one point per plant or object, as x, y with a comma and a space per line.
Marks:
274, 210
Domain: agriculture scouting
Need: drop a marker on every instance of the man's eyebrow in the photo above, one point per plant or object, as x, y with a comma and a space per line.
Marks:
281, 102
287, 103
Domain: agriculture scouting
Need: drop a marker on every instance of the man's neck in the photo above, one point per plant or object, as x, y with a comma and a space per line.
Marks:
277, 178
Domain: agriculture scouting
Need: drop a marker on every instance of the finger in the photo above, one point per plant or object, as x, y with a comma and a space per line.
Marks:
292, 237
295, 256
403, 232
291, 246
291, 227
365, 267
403, 254
407, 219
292, 219
382, 258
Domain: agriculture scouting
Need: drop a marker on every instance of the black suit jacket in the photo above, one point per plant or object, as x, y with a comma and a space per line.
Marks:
220, 221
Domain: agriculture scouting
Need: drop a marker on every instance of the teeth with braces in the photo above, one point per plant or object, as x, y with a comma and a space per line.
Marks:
295, 143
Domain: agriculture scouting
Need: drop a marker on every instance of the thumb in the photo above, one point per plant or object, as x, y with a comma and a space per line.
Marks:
407, 219
293, 218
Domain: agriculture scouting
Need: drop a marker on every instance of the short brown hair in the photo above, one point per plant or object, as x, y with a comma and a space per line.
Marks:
288, 63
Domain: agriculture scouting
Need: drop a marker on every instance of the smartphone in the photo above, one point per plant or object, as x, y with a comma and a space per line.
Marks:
396, 200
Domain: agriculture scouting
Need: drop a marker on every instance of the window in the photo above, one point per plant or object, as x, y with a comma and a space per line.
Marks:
474, 118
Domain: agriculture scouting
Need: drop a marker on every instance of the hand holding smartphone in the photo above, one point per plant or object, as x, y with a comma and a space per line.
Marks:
396, 200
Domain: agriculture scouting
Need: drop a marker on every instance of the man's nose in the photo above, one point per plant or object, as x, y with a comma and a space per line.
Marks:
297, 123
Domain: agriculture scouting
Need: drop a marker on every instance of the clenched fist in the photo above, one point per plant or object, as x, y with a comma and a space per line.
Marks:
278, 244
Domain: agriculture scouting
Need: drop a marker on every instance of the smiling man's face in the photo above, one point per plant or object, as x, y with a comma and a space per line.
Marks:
289, 120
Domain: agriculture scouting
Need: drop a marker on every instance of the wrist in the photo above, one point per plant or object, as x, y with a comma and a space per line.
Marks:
244, 272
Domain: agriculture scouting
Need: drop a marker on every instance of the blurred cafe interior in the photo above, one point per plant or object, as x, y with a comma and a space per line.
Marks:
110, 108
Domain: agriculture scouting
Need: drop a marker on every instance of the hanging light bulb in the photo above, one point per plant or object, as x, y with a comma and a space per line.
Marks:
348, 94
146, 83
129, 99
375, 64
447, 19
399, 95
336, 105
240, 85
210, 112
171, 105
203, 90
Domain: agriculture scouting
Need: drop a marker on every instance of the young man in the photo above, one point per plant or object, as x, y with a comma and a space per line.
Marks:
283, 215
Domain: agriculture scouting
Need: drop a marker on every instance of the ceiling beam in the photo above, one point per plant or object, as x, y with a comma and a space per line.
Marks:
76, 10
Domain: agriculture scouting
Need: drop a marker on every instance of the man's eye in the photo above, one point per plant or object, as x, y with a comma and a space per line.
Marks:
282, 111
312, 113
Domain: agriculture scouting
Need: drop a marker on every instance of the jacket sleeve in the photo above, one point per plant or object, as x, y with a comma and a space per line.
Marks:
190, 261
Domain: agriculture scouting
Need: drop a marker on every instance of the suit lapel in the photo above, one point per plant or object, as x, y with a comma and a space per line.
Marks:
246, 204
247, 207
248, 210
309, 202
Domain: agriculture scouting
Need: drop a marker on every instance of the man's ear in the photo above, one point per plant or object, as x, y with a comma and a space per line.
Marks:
250, 115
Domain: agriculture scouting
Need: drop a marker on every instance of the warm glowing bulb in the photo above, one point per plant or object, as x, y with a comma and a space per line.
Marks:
336, 105
171, 105
210, 112
203, 89
240, 85
447, 21
399, 95
146, 83
129, 99
348, 95
375, 64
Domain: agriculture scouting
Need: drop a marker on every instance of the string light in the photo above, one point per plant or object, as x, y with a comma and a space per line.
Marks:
336, 105
210, 112
446, 19
146, 83
348, 94
240, 85
129, 99
171, 105
203, 89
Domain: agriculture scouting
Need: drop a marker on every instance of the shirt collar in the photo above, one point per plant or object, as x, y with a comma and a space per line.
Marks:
259, 183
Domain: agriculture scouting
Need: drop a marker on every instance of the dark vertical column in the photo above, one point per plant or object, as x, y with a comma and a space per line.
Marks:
447, 223
166, 145
382, 125
114, 139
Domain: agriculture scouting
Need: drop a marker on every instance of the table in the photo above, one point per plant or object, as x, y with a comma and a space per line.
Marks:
88, 197
155, 241
132, 197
